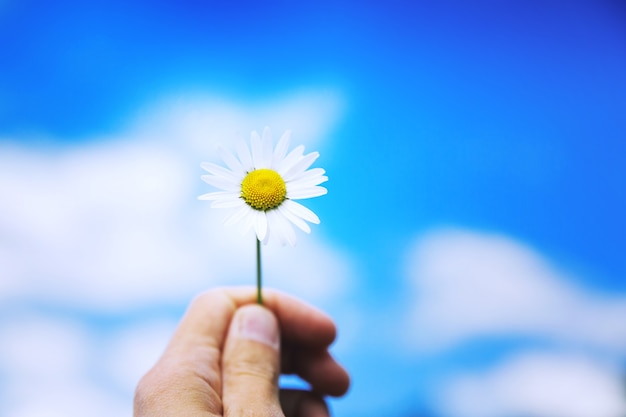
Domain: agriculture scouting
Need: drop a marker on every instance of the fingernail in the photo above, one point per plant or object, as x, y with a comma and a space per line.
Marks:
258, 324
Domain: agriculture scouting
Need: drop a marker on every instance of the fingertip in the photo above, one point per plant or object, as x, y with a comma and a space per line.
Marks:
301, 321
253, 322
340, 385
323, 373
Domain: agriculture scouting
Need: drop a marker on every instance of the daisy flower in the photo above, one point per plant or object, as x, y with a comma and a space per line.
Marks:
261, 184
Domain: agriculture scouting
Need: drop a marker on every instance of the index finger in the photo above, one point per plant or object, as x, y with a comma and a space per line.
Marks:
300, 322
210, 313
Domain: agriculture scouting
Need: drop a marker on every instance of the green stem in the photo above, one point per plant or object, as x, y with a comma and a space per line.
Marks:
259, 296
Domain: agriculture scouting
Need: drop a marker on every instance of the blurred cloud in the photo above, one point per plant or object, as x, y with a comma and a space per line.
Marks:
199, 122
46, 363
538, 385
128, 353
471, 285
95, 226
114, 223
476, 287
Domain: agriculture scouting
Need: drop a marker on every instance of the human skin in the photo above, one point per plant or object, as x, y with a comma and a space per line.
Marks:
227, 353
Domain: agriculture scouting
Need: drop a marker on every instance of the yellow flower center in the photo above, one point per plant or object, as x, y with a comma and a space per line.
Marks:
263, 189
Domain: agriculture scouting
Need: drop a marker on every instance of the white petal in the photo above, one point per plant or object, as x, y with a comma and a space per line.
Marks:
302, 225
248, 220
237, 215
221, 183
257, 149
244, 156
267, 133
287, 230
273, 227
290, 234
230, 160
308, 192
219, 171
267, 238
311, 173
267, 147
260, 224
228, 203
304, 183
301, 211
290, 160
281, 148
218, 195
281, 228
300, 166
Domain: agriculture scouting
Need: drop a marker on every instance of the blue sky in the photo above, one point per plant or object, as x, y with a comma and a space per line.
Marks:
474, 151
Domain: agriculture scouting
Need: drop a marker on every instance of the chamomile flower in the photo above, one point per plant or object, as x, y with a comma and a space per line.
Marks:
261, 185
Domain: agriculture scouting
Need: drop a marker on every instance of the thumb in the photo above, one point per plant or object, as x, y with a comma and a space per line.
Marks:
251, 364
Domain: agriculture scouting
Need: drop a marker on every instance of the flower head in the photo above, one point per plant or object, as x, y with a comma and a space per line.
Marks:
261, 184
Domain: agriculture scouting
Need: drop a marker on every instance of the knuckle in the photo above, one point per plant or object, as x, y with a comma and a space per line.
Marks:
149, 389
253, 370
253, 410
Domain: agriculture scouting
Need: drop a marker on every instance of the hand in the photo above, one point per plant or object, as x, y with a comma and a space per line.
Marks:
227, 354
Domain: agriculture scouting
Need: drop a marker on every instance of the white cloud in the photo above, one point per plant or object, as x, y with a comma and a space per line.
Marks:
63, 399
470, 285
130, 352
114, 224
316, 273
477, 287
45, 370
94, 226
33, 345
537, 385
200, 122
